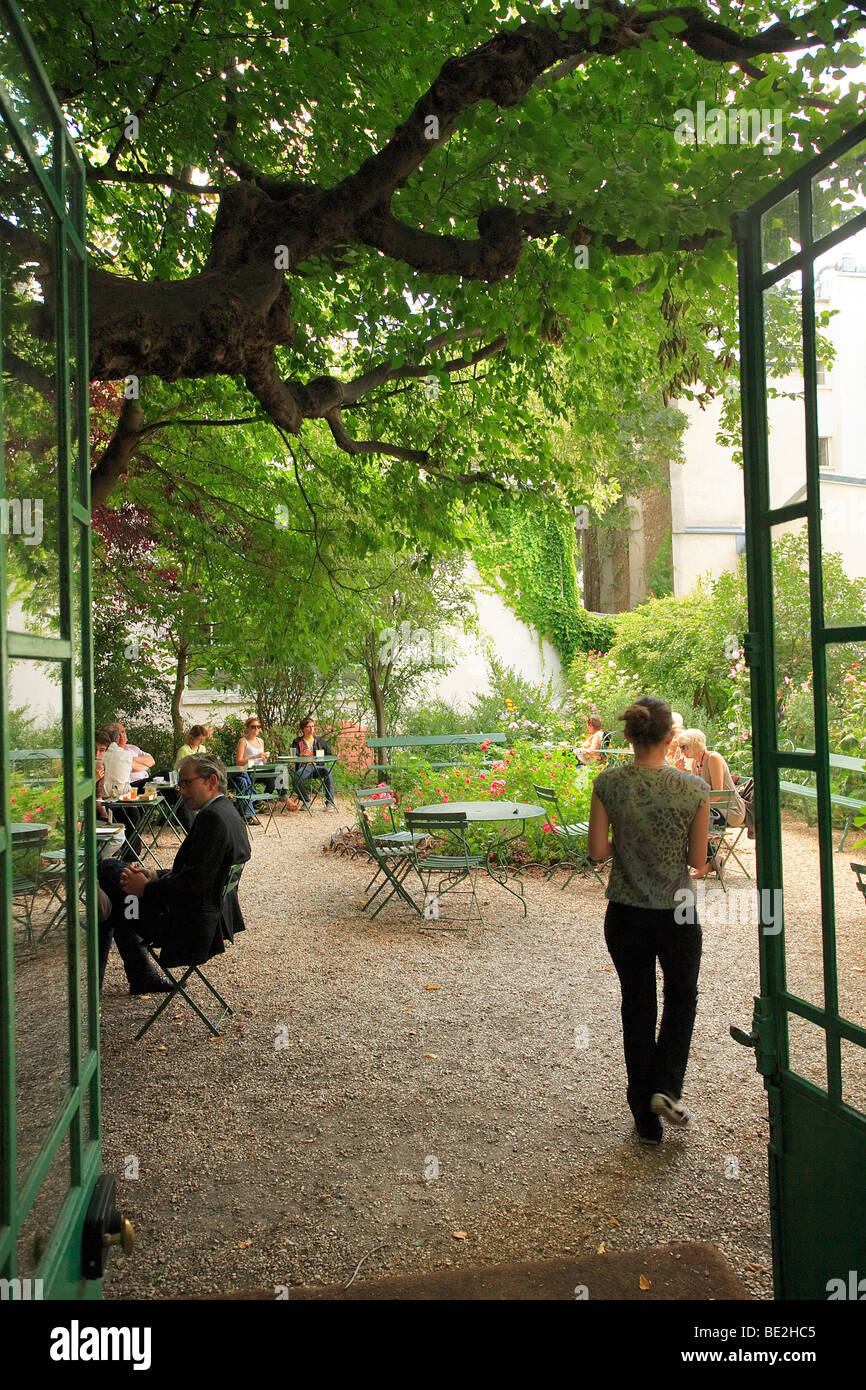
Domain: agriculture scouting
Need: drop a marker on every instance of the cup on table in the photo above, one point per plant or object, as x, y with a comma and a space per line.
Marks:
320, 752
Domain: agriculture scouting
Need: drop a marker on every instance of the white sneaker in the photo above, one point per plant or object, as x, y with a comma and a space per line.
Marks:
669, 1109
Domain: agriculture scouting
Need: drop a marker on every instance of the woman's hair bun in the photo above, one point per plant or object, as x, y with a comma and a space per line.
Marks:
647, 720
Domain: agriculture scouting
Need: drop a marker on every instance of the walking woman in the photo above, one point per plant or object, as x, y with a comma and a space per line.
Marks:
659, 818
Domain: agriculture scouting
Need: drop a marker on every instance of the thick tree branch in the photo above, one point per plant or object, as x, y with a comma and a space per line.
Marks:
372, 446
113, 464
31, 376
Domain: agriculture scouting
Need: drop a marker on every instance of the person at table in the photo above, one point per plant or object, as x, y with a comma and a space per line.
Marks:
141, 762
659, 817
117, 765
250, 754
712, 769
195, 740
588, 750
180, 909
305, 748
114, 846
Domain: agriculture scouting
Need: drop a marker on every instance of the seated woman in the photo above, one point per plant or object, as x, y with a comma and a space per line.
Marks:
588, 750
249, 755
712, 769
194, 741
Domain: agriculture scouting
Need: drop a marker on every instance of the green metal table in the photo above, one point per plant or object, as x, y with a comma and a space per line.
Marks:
492, 813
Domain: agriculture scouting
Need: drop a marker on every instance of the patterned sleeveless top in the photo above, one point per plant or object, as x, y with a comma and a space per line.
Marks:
650, 810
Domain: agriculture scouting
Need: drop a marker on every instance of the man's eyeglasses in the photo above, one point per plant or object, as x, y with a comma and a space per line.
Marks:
188, 781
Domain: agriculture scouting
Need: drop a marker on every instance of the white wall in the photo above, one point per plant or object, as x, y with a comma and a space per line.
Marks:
707, 502
29, 682
511, 641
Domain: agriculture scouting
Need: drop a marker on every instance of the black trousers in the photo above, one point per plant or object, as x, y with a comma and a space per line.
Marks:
139, 966
636, 937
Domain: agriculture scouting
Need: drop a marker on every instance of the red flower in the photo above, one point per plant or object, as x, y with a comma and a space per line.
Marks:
27, 815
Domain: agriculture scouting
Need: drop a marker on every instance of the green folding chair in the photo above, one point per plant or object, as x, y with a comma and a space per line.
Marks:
717, 843
264, 803
450, 870
380, 800
26, 876
569, 834
393, 863
179, 983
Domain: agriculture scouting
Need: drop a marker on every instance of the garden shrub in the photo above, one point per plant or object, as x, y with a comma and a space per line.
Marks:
513, 776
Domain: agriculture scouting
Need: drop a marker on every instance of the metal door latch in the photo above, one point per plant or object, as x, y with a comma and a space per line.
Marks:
103, 1228
762, 1037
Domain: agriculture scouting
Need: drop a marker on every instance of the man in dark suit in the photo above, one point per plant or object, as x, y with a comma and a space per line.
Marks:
180, 909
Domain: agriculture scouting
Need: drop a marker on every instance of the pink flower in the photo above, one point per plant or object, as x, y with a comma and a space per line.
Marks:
485, 744
483, 776
446, 797
846, 680
498, 767
12, 799
27, 815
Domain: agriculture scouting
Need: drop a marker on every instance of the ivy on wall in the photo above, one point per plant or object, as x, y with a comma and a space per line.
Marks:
531, 565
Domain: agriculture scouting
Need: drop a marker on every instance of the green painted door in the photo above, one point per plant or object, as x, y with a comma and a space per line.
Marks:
802, 253
49, 1020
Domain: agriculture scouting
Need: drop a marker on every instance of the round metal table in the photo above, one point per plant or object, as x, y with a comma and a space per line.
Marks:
490, 813
478, 811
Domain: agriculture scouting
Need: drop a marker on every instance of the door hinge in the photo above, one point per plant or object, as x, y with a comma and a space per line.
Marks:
762, 1037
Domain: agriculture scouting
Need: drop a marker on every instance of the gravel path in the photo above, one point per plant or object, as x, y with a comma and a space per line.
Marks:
366, 1058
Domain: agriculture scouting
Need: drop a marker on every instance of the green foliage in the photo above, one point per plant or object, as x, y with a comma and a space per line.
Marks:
40, 804
317, 93
530, 562
439, 716
124, 687
660, 572
225, 739
512, 777
26, 731
520, 706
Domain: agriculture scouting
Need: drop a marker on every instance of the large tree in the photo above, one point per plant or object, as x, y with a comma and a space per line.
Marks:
342, 209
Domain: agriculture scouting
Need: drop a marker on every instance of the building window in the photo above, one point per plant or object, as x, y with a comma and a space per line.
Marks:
824, 456
821, 373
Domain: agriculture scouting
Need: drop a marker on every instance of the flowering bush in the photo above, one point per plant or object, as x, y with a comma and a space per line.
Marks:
513, 777
38, 805
598, 685
41, 805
